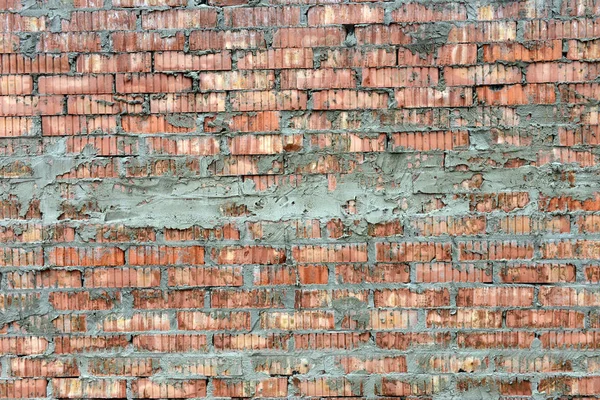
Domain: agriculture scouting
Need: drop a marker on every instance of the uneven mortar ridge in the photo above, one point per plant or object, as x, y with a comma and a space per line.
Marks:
300, 199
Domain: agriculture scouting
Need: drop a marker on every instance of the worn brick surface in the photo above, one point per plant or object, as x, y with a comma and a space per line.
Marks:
300, 199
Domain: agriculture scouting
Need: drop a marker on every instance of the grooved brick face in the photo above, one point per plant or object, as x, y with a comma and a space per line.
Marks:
299, 199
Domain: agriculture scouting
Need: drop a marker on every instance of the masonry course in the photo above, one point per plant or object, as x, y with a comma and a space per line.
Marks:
299, 199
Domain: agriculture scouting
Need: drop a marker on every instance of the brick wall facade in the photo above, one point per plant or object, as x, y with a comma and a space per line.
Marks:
299, 199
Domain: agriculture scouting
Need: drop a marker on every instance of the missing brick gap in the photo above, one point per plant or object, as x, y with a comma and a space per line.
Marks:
496, 88
350, 40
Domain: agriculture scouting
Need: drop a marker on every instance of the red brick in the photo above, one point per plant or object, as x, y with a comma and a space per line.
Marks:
399, 387
299, 320
69, 42
399, 77
405, 298
20, 346
583, 50
262, 16
477, 250
123, 366
73, 388
236, 80
345, 14
327, 387
517, 364
465, 318
381, 35
163, 255
402, 341
78, 125
40, 367
101, 104
13, 22
501, 339
110, 20
544, 319
179, 61
432, 97
428, 141
8, 43
264, 144
152, 83
489, 74
84, 300
517, 94
561, 72
570, 386
348, 100
217, 40
251, 341
180, 19
495, 297
248, 122
559, 29
101, 145
166, 343
174, 389
184, 103
15, 84
85, 344
216, 320
15, 126
373, 364
446, 272
331, 253
276, 59
477, 32
536, 51
313, 274
270, 387
153, 321
125, 277
540, 273
415, 12
308, 37
146, 41
403, 252
513, 10
41, 63
62, 84
31, 105
357, 57
268, 100
251, 255
23, 388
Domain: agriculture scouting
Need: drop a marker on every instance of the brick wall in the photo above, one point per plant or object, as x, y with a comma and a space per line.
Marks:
299, 198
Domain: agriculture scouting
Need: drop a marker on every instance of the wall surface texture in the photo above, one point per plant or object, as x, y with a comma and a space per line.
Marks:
299, 199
